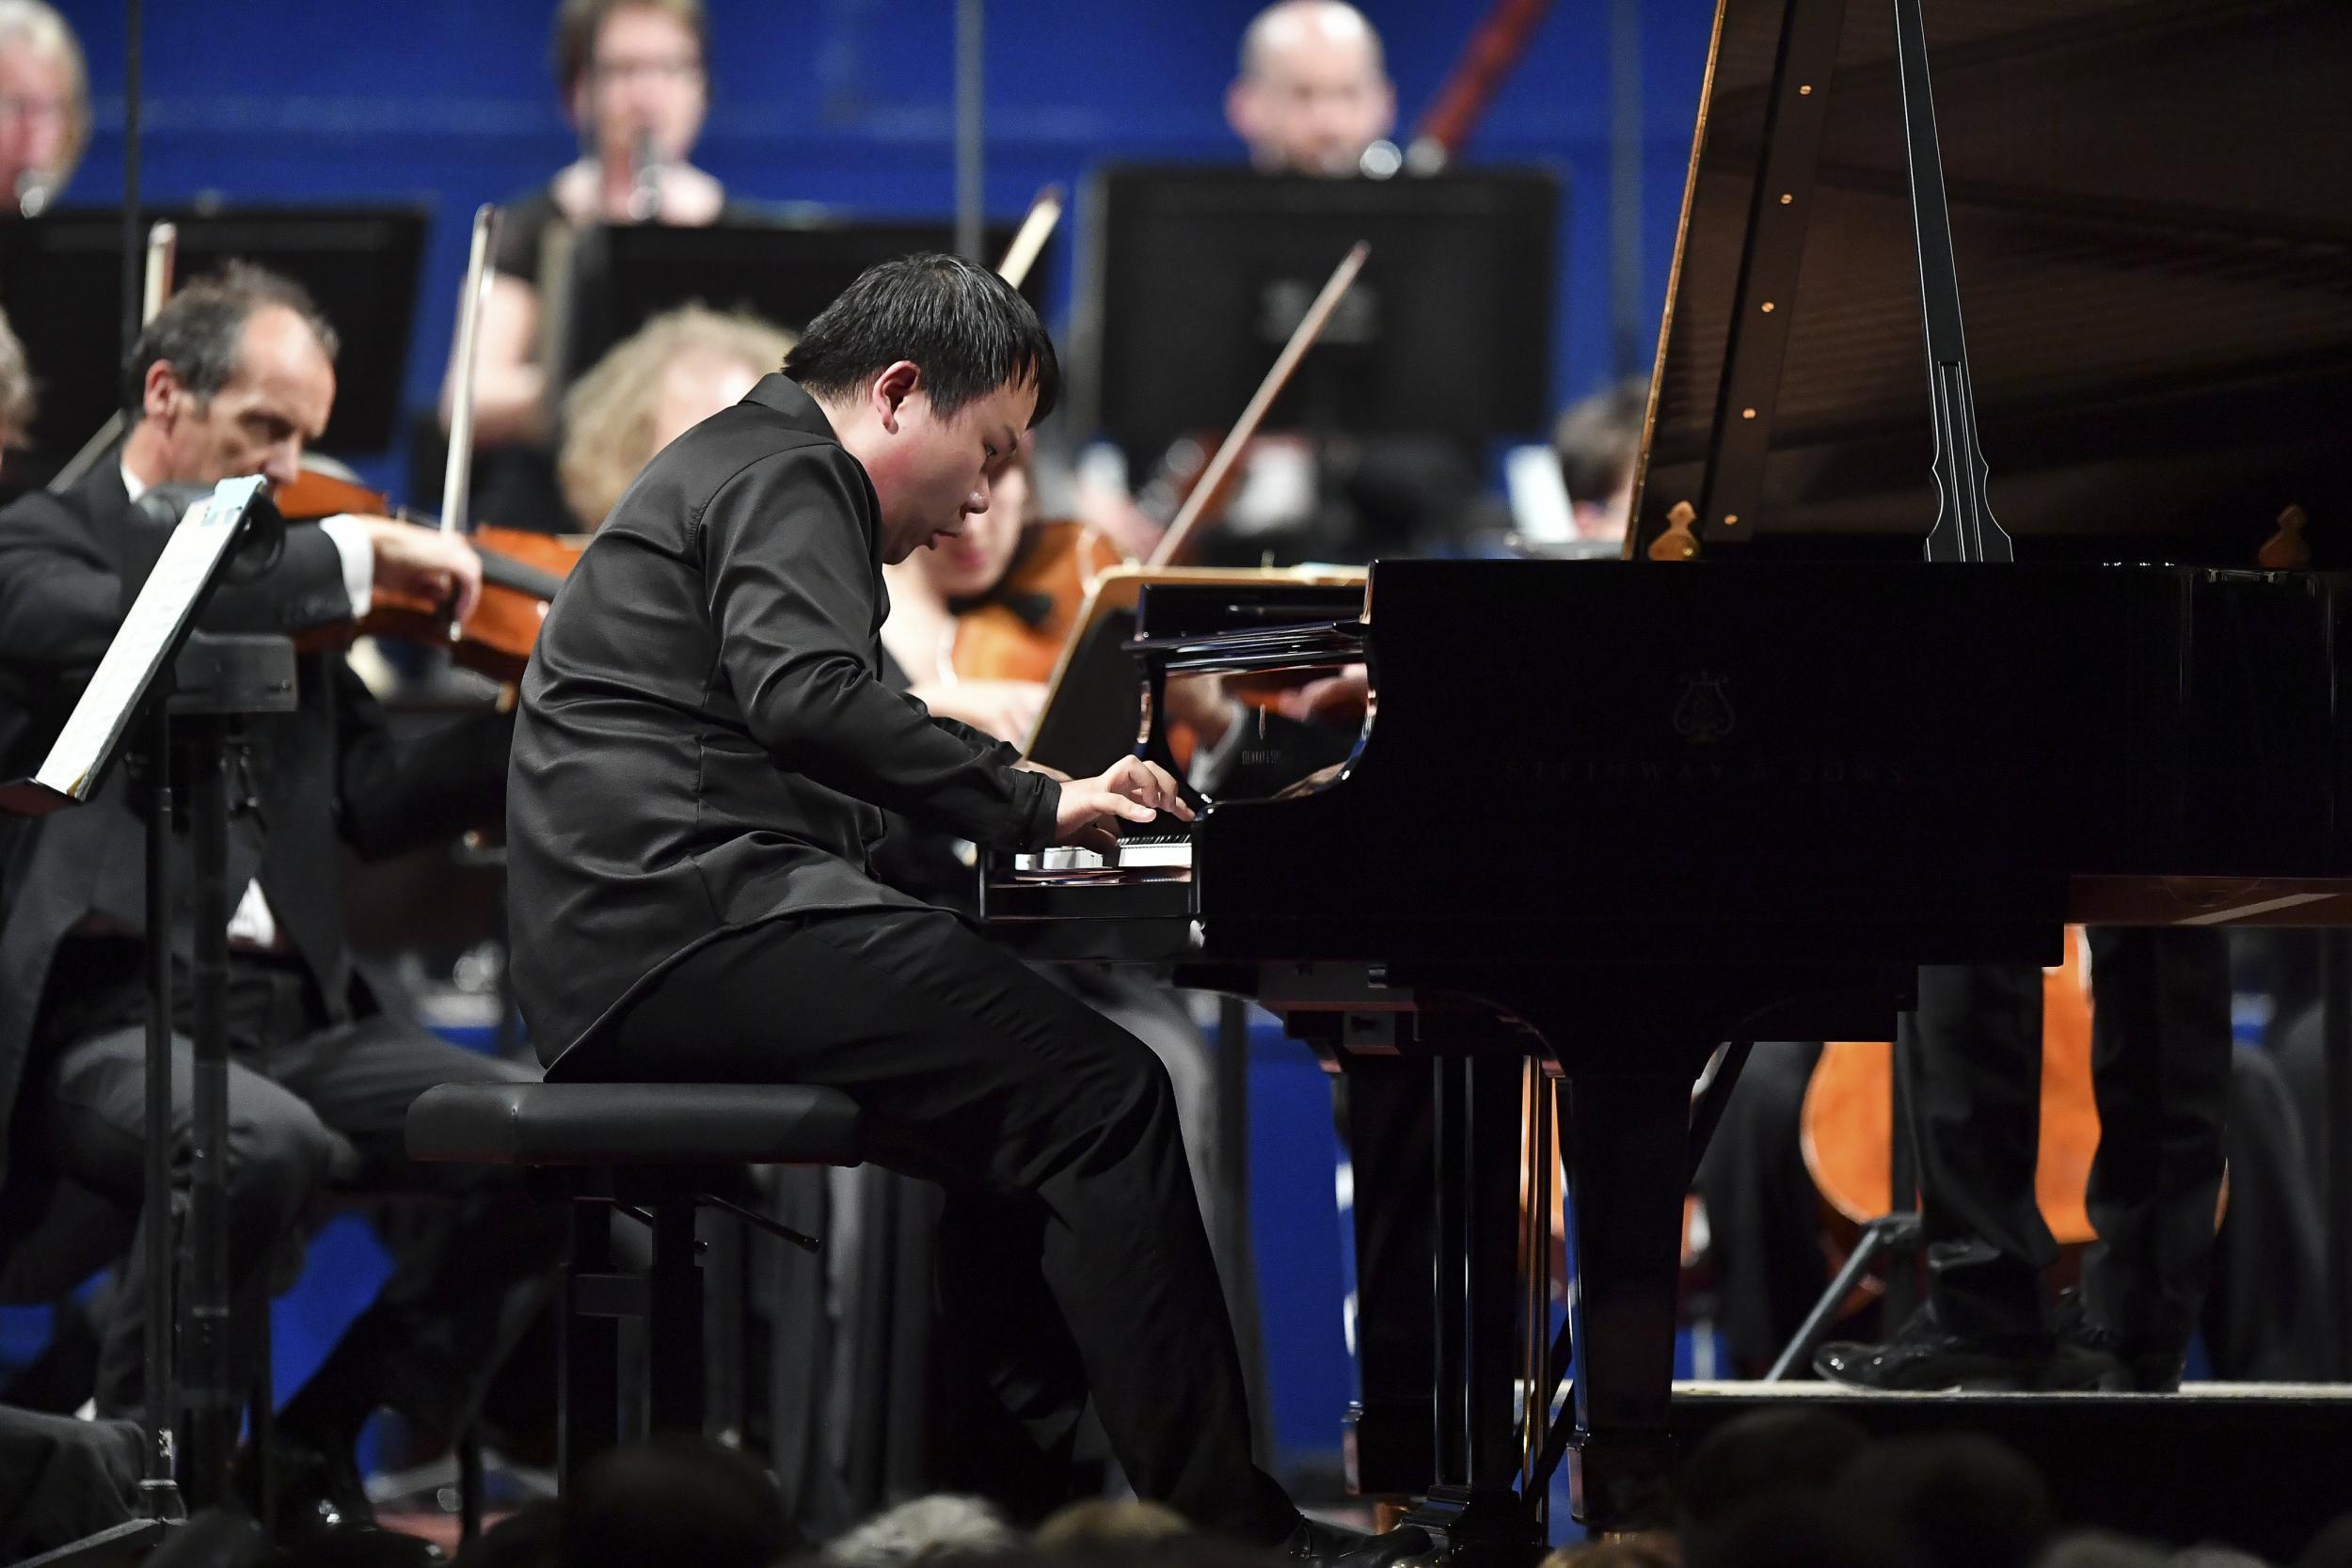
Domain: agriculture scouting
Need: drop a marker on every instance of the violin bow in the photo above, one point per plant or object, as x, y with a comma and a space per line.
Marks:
457, 478
163, 256
1028, 242
1309, 327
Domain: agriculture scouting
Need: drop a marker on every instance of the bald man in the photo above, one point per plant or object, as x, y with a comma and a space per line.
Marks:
1313, 92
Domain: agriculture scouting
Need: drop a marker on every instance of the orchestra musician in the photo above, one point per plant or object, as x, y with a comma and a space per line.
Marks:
44, 105
2161, 1069
705, 933
1313, 92
662, 379
235, 377
2260, 1319
635, 85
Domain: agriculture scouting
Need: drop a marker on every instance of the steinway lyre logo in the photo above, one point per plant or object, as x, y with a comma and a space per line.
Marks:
1703, 716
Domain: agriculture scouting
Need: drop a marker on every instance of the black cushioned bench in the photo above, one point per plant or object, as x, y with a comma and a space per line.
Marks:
657, 1152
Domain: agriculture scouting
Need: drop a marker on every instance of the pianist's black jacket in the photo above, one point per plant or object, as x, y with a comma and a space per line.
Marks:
704, 740
328, 771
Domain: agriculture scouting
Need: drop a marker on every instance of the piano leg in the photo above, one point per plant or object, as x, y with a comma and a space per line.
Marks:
1475, 1499
1625, 1255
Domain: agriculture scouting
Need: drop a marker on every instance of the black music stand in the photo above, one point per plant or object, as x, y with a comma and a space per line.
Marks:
59, 282
1193, 277
173, 698
614, 277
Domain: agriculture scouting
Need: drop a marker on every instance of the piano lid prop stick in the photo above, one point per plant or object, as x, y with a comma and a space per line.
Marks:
1309, 328
1030, 242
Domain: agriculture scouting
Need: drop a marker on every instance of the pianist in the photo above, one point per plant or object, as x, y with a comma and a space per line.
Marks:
701, 753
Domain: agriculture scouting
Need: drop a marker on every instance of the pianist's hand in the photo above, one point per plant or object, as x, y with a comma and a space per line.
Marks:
1130, 788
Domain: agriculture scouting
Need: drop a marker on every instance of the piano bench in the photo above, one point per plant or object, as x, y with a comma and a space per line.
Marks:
633, 1359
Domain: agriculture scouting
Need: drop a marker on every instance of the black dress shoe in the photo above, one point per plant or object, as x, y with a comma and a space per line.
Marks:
321, 1497
1925, 1357
1336, 1546
2127, 1365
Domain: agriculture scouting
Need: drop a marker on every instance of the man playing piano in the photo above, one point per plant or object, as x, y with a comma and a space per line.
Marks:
702, 751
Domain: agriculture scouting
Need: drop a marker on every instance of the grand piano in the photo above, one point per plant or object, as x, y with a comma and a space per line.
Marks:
1921, 647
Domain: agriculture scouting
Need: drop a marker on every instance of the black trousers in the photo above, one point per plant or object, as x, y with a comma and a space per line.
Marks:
2160, 1067
1071, 1249
62, 1479
2264, 1313
314, 1114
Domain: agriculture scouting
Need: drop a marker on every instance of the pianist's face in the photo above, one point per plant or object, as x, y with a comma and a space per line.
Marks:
970, 563
933, 473
274, 403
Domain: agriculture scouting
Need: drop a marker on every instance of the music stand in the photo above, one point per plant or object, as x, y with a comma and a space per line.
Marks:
614, 277
174, 698
1193, 277
1094, 701
60, 282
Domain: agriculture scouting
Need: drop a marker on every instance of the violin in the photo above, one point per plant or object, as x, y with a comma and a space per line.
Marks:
1020, 629
520, 573
1017, 630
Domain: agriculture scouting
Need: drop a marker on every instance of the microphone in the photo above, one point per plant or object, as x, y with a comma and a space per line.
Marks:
645, 190
34, 187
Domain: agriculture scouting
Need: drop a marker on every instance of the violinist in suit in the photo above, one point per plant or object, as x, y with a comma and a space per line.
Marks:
233, 377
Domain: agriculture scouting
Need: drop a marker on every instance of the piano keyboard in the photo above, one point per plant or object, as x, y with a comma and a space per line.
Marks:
1134, 849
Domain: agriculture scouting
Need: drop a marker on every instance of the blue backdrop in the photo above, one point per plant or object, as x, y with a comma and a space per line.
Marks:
842, 102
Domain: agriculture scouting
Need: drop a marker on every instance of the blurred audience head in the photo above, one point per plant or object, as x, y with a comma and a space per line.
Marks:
668, 377
677, 1499
1639, 1549
1599, 439
2098, 1549
1764, 1456
1095, 1526
634, 71
44, 104
1955, 1500
2331, 1548
940, 1529
1313, 92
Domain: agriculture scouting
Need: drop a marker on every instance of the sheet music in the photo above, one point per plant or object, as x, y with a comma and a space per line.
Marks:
165, 605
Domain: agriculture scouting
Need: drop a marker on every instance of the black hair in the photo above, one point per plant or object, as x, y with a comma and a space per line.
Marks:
1599, 436
201, 333
967, 329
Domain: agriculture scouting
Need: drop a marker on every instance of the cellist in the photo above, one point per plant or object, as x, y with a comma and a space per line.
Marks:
234, 377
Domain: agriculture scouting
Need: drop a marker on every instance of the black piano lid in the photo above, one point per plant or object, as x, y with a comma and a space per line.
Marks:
2154, 247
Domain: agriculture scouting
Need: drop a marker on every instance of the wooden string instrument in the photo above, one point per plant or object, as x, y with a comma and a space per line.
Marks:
1015, 631
520, 570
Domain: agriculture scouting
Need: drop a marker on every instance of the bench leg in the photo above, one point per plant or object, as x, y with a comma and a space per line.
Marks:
588, 1393
675, 1320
